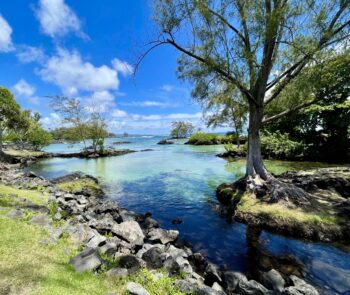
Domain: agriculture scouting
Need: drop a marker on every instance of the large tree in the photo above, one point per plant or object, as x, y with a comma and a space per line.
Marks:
9, 112
257, 46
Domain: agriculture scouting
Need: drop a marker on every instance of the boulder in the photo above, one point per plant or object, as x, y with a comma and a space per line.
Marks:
300, 286
232, 279
136, 289
251, 288
163, 236
42, 220
15, 214
130, 262
89, 259
96, 240
150, 223
273, 280
129, 231
153, 258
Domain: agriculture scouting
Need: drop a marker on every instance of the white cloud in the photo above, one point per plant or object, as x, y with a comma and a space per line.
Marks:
116, 113
5, 36
148, 103
23, 88
68, 71
123, 67
167, 88
51, 121
57, 19
28, 54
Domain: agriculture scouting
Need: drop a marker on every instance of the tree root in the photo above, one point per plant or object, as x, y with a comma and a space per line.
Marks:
274, 190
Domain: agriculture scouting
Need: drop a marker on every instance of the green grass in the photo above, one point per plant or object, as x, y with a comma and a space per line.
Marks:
77, 185
12, 195
23, 153
249, 204
30, 267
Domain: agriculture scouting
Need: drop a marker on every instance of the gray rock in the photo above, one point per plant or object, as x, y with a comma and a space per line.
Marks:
109, 249
89, 259
273, 280
251, 288
163, 236
153, 258
129, 262
189, 287
15, 214
232, 280
136, 289
117, 272
129, 215
150, 223
103, 225
107, 206
96, 240
129, 231
42, 220
300, 286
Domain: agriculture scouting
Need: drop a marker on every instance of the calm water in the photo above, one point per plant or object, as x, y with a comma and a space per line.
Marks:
179, 181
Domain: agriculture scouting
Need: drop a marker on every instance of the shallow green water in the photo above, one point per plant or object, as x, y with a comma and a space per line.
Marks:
178, 182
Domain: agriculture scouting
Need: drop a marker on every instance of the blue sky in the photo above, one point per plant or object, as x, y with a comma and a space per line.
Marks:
87, 49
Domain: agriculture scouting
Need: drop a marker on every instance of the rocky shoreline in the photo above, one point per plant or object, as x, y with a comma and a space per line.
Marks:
325, 219
105, 232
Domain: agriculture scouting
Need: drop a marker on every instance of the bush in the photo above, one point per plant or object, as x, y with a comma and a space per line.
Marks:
280, 146
230, 148
38, 138
202, 138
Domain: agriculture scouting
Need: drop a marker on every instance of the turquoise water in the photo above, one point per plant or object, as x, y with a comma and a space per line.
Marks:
178, 182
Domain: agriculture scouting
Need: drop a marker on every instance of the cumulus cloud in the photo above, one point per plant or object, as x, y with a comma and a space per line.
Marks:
57, 19
117, 113
28, 54
148, 103
68, 71
51, 121
122, 67
23, 88
5, 36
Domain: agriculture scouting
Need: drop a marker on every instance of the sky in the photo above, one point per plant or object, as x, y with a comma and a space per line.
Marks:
87, 49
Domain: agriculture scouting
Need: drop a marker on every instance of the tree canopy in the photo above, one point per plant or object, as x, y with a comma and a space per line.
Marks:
259, 47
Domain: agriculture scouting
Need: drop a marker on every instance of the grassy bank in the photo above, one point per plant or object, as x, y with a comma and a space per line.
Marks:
31, 264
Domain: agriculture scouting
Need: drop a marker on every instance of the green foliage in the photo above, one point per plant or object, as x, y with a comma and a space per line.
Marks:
323, 126
280, 146
202, 138
38, 138
230, 148
181, 129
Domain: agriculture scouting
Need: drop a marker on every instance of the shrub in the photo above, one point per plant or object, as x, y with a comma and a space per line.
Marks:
202, 138
280, 146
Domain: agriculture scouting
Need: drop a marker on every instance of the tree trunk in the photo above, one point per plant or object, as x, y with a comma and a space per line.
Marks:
1, 131
238, 141
255, 165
